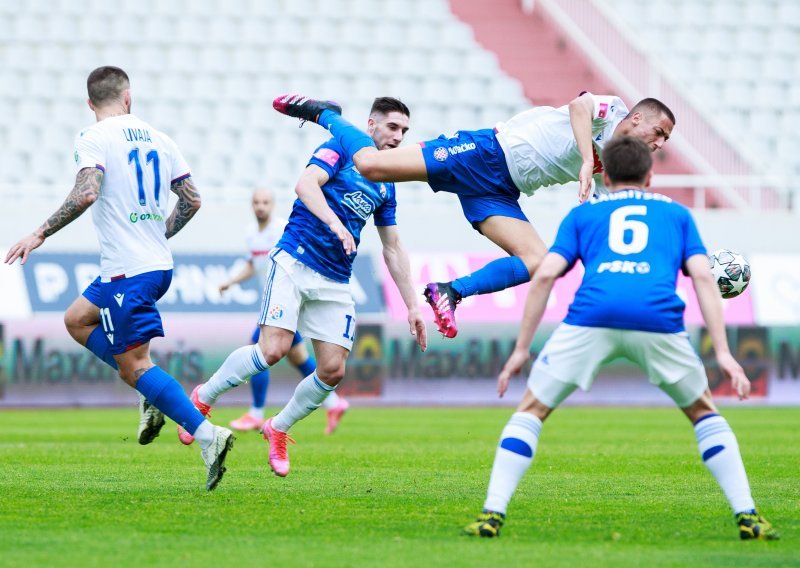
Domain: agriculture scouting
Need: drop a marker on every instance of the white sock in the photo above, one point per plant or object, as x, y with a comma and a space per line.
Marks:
513, 458
204, 434
234, 371
332, 400
720, 452
307, 397
256, 412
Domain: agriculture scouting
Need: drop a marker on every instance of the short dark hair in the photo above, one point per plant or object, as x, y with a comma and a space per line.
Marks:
653, 106
385, 105
106, 84
627, 160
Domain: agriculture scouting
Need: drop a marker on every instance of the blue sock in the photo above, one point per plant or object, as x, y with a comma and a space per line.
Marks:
497, 275
350, 137
99, 345
308, 367
168, 396
259, 383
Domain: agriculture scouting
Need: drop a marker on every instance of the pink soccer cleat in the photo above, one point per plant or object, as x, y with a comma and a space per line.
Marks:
335, 415
443, 299
278, 455
247, 422
184, 436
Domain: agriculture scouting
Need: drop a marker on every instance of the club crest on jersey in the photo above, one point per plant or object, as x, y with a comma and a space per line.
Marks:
603, 111
275, 312
382, 189
359, 204
440, 154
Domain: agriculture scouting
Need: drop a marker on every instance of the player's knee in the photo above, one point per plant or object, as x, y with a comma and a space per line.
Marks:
331, 373
532, 261
273, 352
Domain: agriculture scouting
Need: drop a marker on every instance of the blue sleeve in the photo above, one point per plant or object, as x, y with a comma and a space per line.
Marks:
328, 156
692, 243
567, 243
385, 213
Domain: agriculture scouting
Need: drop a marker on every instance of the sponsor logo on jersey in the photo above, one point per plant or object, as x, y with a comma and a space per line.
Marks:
327, 155
461, 148
134, 217
440, 154
624, 267
275, 312
359, 204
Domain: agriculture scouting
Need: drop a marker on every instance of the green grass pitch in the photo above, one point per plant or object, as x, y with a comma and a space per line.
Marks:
610, 486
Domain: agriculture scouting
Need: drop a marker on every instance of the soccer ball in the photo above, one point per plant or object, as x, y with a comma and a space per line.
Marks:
731, 272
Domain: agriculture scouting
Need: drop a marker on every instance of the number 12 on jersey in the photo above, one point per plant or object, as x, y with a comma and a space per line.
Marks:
152, 156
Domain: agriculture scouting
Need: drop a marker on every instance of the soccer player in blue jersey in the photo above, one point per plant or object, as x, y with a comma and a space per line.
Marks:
308, 285
632, 244
489, 168
125, 168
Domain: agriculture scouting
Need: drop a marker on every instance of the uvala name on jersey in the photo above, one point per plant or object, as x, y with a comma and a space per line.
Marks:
136, 134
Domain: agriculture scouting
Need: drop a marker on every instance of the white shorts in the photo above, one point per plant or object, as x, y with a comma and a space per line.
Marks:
573, 355
298, 298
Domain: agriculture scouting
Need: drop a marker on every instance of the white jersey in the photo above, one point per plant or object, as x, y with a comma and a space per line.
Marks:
540, 147
139, 165
259, 245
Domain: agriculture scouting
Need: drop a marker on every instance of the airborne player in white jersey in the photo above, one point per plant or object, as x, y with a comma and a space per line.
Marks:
489, 168
125, 169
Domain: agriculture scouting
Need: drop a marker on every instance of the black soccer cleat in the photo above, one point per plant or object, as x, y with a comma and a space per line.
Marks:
304, 108
753, 526
486, 525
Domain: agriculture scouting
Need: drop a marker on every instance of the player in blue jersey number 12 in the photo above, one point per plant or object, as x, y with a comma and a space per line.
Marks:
308, 283
125, 169
632, 244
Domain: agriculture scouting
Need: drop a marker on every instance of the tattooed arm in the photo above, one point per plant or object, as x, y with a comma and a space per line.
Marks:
85, 192
187, 205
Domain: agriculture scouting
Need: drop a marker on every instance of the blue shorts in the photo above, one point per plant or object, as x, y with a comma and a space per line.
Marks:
128, 310
472, 165
257, 332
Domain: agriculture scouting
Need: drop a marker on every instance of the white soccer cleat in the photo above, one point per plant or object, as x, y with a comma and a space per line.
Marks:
151, 420
214, 456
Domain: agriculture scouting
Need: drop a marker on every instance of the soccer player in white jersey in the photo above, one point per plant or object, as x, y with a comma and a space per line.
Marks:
125, 169
261, 239
632, 244
308, 286
489, 168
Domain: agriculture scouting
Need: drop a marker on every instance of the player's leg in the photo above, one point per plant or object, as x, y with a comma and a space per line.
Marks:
335, 405
569, 359
253, 419
165, 393
82, 320
396, 164
672, 364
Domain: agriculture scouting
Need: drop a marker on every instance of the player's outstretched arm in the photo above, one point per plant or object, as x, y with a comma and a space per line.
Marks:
711, 307
552, 266
581, 111
309, 190
83, 194
247, 272
188, 204
396, 257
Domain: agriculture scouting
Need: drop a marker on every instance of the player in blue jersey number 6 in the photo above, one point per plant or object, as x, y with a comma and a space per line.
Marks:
308, 284
488, 169
125, 169
632, 244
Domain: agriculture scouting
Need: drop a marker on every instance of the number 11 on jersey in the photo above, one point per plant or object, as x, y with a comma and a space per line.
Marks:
152, 156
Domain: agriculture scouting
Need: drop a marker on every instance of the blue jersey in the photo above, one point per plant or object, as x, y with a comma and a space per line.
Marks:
632, 244
353, 198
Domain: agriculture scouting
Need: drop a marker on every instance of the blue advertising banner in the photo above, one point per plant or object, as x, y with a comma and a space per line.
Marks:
54, 280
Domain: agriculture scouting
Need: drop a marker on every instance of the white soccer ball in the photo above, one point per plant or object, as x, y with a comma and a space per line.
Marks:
731, 272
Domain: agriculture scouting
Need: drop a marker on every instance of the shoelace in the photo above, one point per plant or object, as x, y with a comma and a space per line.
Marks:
279, 440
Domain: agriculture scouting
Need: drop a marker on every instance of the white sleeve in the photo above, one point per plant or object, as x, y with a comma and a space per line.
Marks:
90, 151
608, 107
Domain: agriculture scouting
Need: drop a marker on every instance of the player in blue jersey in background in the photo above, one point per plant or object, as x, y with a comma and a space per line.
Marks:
308, 285
488, 169
632, 244
125, 168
